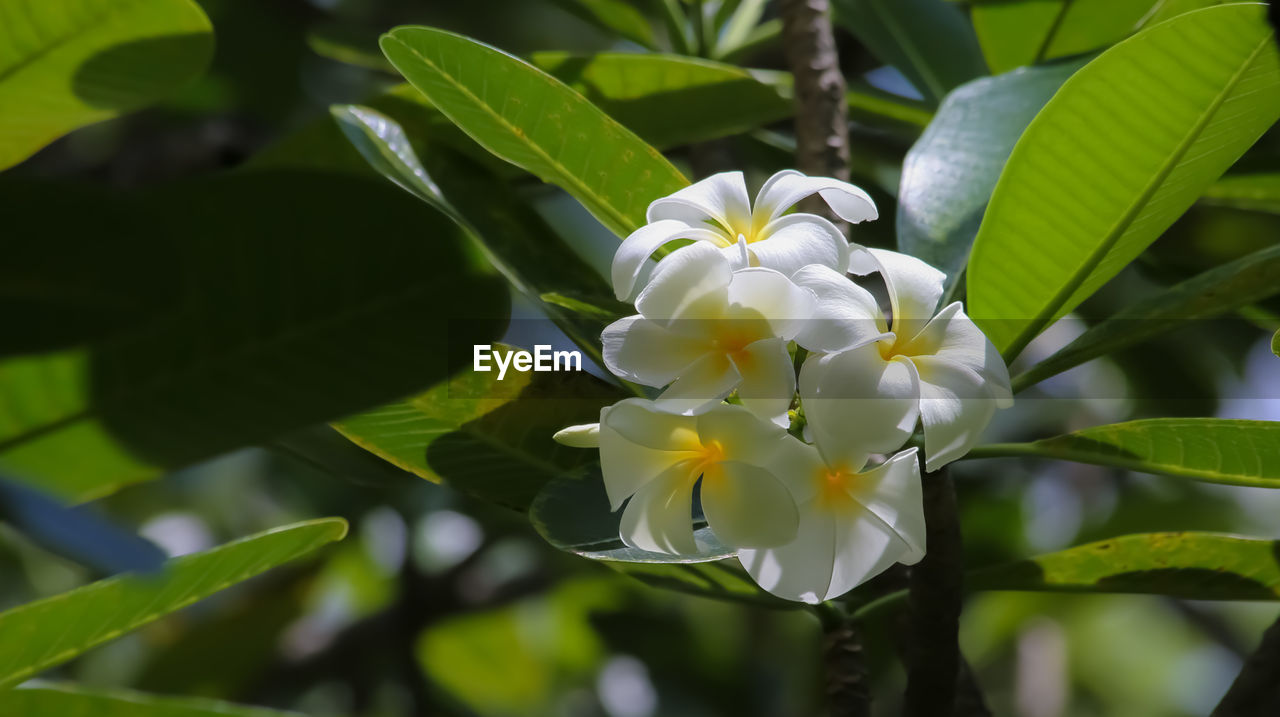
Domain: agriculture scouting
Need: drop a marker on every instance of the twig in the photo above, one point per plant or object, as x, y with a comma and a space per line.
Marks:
933, 651
1256, 690
848, 693
822, 115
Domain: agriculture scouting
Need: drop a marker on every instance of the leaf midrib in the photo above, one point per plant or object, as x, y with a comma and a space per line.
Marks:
1121, 227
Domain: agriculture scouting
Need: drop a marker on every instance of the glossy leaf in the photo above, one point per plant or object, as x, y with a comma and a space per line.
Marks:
1104, 168
534, 121
617, 16
68, 63
49, 632
485, 437
1255, 192
1024, 32
73, 701
949, 173
1220, 290
159, 353
929, 41
1192, 566
1214, 450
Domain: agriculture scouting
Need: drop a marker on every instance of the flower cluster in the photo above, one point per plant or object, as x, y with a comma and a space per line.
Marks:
722, 325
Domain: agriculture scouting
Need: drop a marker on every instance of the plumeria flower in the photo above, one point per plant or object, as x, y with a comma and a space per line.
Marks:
854, 522
718, 211
704, 331
655, 458
940, 368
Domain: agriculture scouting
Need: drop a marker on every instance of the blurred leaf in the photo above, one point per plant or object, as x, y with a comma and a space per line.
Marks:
572, 513
346, 43
929, 41
718, 580
1215, 450
1192, 566
643, 91
949, 174
488, 438
616, 16
1104, 169
1025, 32
1255, 192
49, 632
1275, 343
309, 301
534, 121
68, 63
1222, 289
78, 534
73, 701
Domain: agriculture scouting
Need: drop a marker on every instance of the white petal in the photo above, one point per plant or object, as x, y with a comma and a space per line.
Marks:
768, 379
857, 403
845, 316
640, 350
769, 295
636, 249
659, 516
688, 283
955, 407
701, 386
787, 187
892, 492
638, 443
747, 507
720, 197
583, 435
742, 435
797, 240
914, 287
953, 336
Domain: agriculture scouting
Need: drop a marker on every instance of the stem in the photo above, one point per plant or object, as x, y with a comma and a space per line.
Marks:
822, 113
933, 601
1256, 690
847, 690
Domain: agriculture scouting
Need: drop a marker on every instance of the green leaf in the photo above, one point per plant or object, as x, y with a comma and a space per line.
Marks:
144, 354
485, 437
65, 64
617, 16
719, 580
73, 701
1275, 343
534, 121
949, 174
641, 91
1222, 289
929, 41
1255, 192
351, 45
1024, 32
49, 632
1214, 450
1120, 152
1192, 566
572, 513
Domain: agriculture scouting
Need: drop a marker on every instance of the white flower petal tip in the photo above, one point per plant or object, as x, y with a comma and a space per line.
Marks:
585, 435
784, 189
630, 258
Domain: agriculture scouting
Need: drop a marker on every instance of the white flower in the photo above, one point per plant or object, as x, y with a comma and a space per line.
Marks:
655, 458
707, 330
717, 210
853, 523
940, 368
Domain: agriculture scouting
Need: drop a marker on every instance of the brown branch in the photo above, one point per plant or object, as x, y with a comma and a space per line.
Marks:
933, 650
848, 693
1256, 690
822, 117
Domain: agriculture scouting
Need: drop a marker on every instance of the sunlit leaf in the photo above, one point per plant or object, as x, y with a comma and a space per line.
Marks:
1104, 168
534, 121
1024, 32
49, 632
1193, 566
949, 173
68, 63
1215, 450
1255, 192
73, 701
1222, 289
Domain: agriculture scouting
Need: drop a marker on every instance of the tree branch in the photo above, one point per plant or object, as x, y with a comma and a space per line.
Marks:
933, 650
848, 693
1256, 690
822, 116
